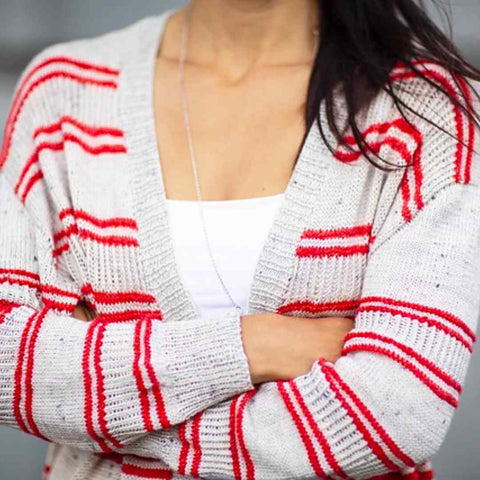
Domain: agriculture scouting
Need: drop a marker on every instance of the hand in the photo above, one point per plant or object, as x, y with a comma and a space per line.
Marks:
280, 347
83, 312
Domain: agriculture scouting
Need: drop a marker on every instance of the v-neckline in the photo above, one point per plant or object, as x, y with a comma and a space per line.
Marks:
158, 265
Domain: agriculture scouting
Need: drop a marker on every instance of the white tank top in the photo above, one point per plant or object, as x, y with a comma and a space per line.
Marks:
237, 230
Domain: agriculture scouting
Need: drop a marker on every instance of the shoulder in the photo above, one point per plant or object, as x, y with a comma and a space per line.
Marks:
70, 79
423, 122
426, 139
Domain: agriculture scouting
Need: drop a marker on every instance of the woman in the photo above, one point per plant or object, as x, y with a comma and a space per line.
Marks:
348, 355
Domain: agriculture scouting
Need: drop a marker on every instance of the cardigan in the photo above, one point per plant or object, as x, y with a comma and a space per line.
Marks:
148, 389
236, 230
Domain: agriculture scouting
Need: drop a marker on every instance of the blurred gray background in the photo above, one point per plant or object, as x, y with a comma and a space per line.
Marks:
26, 26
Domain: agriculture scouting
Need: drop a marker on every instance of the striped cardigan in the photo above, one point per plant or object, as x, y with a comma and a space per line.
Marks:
150, 389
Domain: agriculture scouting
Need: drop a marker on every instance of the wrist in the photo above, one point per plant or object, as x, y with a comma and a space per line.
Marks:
261, 341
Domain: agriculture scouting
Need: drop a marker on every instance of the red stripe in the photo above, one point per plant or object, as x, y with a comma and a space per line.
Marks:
330, 371
331, 251
60, 250
471, 129
442, 394
25, 273
394, 143
6, 308
418, 174
426, 309
405, 191
143, 472
94, 150
29, 374
88, 387
46, 288
197, 450
382, 128
233, 439
430, 322
243, 447
65, 233
17, 390
64, 307
30, 184
127, 315
97, 357
143, 392
338, 232
374, 446
157, 393
112, 240
32, 160
98, 222
91, 130
307, 442
409, 351
69, 76
17, 281
74, 62
113, 298
313, 307
317, 432
182, 459
411, 130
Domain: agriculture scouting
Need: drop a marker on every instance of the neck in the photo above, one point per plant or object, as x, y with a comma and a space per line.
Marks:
238, 35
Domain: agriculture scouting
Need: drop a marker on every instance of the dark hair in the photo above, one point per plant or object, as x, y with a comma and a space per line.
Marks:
361, 41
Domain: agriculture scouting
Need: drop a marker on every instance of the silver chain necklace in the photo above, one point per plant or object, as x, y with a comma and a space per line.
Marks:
237, 307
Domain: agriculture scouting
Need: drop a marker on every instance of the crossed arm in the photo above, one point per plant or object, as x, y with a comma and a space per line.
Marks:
384, 405
186, 392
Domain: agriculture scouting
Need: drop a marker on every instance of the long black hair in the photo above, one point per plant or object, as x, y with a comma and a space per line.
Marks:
361, 41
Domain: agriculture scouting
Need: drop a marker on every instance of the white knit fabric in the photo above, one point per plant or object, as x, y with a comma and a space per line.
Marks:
150, 389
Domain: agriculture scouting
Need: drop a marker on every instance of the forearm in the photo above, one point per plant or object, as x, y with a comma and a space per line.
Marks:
280, 347
101, 385
283, 347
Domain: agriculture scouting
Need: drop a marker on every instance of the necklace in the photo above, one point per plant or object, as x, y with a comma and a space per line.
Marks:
186, 23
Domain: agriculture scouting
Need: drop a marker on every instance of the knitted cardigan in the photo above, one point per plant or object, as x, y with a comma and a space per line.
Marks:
149, 389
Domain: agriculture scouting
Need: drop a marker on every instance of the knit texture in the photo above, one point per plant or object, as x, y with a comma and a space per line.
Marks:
149, 389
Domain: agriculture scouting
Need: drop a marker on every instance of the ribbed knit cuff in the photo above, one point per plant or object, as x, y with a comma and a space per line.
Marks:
201, 362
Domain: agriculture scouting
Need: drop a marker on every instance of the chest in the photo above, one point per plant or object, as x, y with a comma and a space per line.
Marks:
220, 276
245, 136
120, 249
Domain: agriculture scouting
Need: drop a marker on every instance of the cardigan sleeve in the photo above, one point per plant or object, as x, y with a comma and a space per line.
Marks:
386, 404
102, 384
